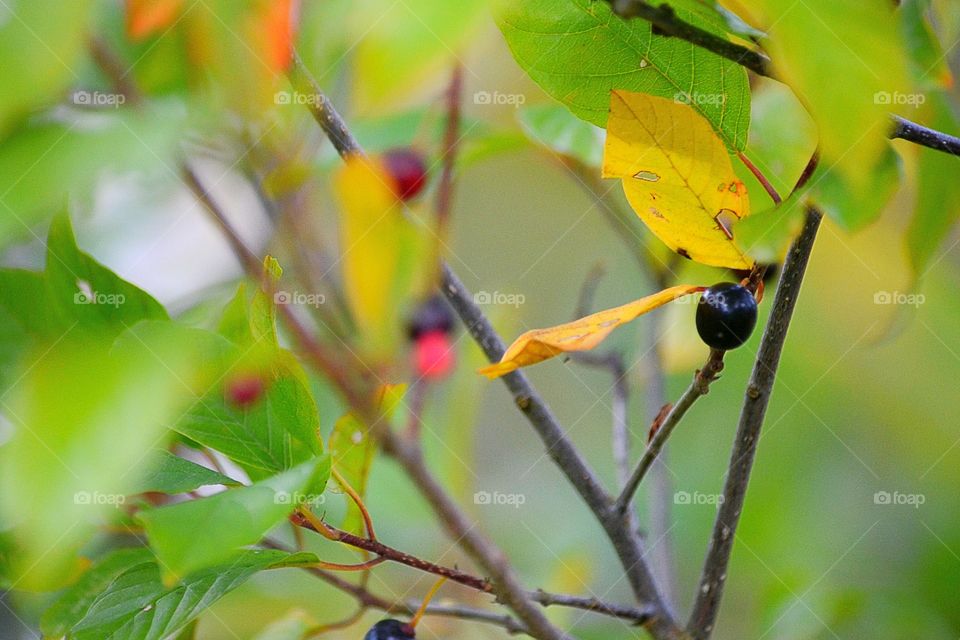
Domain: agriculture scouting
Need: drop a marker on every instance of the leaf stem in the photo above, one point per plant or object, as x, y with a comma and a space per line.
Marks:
768, 187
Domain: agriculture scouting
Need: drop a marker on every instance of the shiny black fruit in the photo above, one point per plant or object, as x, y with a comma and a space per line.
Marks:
390, 629
726, 315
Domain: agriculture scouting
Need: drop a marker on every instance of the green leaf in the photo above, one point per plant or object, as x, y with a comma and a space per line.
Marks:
75, 293
293, 626
352, 450
79, 454
554, 127
200, 533
928, 63
41, 43
578, 51
135, 605
938, 192
276, 433
854, 205
281, 429
73, 603
846, 62
408, 44
168, 473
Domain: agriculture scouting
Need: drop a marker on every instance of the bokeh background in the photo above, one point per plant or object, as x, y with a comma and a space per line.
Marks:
865, 404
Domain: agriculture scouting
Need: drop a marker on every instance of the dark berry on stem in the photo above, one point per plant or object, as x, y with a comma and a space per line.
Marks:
390, 629
434, 314
408, 170
726, 315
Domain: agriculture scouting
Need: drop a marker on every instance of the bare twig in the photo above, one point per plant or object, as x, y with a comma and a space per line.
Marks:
451, 136
568, 460
757, 397
698, 388
366, 599
666, 23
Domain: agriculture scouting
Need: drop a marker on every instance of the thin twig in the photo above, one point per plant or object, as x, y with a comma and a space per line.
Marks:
366, 599
699, 387
567, 458
451, 136
757, 397
666, 23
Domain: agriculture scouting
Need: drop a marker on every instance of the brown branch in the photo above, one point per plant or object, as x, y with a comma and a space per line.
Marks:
754, 409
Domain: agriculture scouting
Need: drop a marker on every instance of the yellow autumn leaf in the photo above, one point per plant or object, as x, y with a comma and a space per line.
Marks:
381, 252
580, 335
677, 176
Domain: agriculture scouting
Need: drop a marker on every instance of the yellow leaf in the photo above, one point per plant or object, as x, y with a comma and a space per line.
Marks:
580, 335
677, 177
382, 253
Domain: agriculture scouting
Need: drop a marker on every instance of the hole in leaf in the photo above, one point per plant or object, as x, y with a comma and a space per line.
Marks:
649, 176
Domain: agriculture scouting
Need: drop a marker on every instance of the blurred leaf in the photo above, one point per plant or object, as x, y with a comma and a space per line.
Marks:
554, 127
293, 626
858, 45
168, 473
352, 450
382, 253
135, 604
782, 138
45, 163
149, 17
938, 192
928, 62
118, 402
200, 533
41, 45
73, 603
677, 176
766, 236
409, 43
580, 335
855, 205
578, 51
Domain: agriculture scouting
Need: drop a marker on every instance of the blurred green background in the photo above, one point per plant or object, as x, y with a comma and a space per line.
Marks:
864, 406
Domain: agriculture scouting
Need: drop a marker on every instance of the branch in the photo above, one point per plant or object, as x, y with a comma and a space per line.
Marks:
367, 599
666, 23
754, 408
698, 388
567, 459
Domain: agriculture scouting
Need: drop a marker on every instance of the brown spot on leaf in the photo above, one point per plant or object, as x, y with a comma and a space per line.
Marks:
683, 252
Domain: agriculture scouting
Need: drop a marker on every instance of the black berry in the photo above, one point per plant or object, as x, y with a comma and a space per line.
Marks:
408, 170
390, 629
726, 315
432, 315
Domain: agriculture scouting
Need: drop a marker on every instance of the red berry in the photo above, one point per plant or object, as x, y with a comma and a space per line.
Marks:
244, 390
408, 170
433, 355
